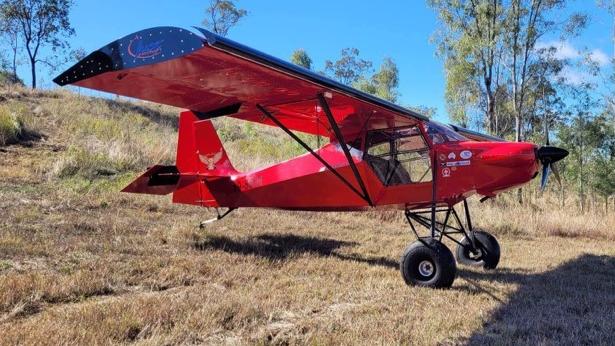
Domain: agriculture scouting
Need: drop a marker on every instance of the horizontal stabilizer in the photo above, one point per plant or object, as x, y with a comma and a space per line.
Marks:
158, 180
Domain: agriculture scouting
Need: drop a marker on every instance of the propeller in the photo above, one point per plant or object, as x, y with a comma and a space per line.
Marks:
548, 156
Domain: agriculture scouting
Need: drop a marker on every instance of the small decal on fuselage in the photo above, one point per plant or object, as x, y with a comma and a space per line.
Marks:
458, 163
452, 156
466, 154
446, 172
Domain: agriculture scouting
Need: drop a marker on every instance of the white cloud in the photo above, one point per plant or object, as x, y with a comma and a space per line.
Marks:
563, 49
599, 57
574, 77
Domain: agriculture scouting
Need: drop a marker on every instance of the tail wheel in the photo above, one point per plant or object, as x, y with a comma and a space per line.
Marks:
487, 253
428, 264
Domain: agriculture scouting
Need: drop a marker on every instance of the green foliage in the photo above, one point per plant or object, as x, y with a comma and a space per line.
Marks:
300, 57
471, 43
462, 92
591, 164
366, 85
386, 80
222, 15
383, 83
603, 172
349, 68
496, 74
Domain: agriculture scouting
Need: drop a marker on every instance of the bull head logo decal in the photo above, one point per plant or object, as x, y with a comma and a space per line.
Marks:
211, 160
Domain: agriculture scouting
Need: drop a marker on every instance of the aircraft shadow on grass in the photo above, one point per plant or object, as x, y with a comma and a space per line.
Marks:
573, 303
282, 246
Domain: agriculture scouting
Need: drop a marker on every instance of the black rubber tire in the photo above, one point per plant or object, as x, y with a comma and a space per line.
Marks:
489, 247
436, 253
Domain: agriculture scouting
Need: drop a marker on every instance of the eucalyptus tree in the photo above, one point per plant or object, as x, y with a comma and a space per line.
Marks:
9, 31
40, 25
527, 22
300, 57
386, 80
470, 40
383, 83
350, 68
490, 49
222, 15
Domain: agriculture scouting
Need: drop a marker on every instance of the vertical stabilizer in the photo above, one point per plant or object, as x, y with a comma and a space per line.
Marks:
199, 149
200, 158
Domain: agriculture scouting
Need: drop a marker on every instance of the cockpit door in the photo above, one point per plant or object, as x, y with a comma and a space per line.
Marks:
398, 156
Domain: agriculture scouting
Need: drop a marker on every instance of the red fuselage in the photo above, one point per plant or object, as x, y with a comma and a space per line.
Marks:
464, 168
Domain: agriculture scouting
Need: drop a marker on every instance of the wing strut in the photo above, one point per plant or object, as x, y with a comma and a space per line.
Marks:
325, 107
317, 156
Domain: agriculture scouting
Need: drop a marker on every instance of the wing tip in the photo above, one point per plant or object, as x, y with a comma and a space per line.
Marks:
145, 47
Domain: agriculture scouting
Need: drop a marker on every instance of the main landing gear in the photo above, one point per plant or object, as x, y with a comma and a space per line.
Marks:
429, 263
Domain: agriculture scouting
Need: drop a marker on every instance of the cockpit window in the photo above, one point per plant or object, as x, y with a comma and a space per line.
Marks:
399, 156
440, 133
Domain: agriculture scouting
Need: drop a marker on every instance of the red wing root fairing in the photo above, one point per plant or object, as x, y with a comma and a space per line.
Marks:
379, 154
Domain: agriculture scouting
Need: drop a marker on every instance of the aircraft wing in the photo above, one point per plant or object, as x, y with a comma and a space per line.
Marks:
214, 76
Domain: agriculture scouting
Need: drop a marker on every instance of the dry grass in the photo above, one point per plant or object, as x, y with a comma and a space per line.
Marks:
83, 264
16, 125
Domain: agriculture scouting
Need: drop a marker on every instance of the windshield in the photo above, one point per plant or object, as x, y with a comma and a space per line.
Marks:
440, 133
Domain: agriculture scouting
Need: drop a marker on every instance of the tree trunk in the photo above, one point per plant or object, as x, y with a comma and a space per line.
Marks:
491, 112
15, 63
33, 70
517, 132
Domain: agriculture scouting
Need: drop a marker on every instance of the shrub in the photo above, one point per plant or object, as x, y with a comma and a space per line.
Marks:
10, 126
8, 78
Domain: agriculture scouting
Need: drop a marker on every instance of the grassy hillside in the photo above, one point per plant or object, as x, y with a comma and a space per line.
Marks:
82, 263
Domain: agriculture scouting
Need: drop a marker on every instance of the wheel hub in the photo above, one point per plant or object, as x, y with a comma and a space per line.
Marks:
476, 254
426, 268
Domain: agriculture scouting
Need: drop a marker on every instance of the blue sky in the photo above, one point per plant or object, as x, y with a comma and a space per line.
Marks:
397, 29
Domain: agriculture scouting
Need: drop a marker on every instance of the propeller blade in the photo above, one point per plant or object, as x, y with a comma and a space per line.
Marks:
545, 177
548, 156
556, 174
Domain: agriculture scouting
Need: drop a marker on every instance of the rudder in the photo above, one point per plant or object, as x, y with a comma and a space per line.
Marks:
200, 155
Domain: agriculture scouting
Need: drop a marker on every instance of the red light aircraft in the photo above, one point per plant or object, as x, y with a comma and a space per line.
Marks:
379, 154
